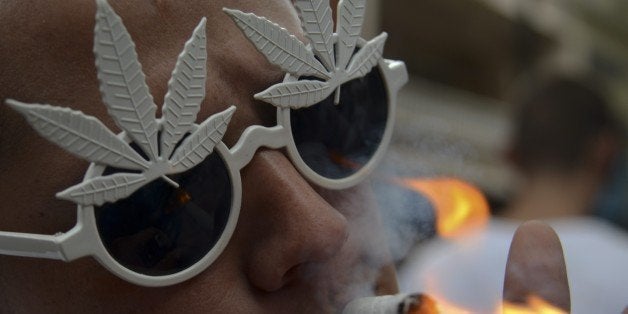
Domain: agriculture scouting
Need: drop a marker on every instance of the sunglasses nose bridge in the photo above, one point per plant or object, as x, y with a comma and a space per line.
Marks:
253, 138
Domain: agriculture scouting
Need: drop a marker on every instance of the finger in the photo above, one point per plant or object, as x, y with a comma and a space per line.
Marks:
536, 267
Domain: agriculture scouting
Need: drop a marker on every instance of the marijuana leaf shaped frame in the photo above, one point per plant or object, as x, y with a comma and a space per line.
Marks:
130, 104
329, 57
316, 70
182, 145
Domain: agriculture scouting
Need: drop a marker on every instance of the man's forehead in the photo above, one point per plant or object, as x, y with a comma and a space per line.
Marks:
58, 36
148, 21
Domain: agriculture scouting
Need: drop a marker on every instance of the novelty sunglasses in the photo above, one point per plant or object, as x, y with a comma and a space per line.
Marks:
161, 199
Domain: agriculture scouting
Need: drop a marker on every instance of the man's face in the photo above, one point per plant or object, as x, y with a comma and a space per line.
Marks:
296, 247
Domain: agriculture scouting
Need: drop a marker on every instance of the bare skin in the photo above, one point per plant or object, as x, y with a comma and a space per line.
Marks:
296, 248
536, 267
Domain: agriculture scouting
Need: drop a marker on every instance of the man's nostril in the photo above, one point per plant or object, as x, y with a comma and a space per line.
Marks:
292, 274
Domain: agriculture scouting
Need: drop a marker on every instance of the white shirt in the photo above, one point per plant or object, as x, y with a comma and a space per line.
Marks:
470, 272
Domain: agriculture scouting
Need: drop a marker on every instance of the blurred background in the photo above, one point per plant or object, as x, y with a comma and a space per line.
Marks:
471, 62
471, 65
469, 59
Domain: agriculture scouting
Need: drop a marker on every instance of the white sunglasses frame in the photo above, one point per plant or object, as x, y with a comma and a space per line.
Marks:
84, 239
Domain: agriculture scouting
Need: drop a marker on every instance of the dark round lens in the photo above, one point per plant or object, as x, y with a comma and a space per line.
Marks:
336, 141
161, 230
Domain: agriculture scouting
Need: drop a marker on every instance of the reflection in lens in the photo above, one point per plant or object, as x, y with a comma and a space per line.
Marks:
337, 140
161, 230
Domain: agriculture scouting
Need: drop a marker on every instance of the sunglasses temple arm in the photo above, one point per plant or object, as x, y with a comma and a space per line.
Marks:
31, 245
61, 246
255, 137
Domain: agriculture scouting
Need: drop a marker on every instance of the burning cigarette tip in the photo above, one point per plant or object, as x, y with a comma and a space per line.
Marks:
420, 304
393, 304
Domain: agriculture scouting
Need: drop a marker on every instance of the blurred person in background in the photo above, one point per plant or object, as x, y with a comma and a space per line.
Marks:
566, 146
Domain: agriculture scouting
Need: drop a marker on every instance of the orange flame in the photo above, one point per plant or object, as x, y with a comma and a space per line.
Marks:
449, 308
459, 205
428, 304
535, 305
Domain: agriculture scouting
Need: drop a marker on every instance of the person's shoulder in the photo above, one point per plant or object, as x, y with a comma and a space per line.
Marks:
596, 254
476, 254
590, 229
496, 234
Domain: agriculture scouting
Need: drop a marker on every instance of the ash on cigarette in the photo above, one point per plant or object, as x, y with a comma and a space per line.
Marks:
393, 304
418, 304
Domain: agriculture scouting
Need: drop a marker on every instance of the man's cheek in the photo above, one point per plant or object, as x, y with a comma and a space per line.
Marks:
366, 236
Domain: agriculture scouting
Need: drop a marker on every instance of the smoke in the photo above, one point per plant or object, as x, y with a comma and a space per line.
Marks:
408, 218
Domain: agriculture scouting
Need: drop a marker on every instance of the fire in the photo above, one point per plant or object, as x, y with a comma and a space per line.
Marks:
535, 305
449, 308
459, 205
434, 305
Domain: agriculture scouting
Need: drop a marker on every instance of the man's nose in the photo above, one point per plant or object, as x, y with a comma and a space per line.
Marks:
290, 223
